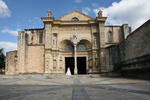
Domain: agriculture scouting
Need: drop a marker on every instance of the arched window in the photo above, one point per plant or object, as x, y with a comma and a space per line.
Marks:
81, 47
110, 37
69, 47
75, 19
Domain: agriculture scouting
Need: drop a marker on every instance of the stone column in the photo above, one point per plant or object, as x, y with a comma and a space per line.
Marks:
75, 59
75, 40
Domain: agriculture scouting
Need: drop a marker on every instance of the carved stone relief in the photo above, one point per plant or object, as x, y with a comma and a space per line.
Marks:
54, 61
60, 62
95, 42
48, 41
47, 65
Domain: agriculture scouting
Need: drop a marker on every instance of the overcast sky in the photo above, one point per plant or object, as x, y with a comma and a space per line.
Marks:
17, 15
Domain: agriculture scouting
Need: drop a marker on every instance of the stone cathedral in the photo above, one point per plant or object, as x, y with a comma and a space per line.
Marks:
75, 40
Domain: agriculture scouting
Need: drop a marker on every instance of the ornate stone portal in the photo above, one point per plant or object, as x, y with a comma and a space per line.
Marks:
74, 39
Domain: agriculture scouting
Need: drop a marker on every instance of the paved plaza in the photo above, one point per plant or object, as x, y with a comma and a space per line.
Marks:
77, 87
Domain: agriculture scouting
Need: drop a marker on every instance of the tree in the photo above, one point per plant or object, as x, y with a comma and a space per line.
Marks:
2, 59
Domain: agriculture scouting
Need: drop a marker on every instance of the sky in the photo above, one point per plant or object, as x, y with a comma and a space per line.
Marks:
17, 15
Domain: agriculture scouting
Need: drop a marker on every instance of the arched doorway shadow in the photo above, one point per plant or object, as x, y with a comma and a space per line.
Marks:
69, 63
81, 65
82, 47
68, 48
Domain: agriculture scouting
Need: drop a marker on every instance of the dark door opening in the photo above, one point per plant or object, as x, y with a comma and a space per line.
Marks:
81, 65
69, 62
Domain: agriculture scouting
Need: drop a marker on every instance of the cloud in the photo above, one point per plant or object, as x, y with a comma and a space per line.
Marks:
86, 10
132, 12
12, 32
78, 1
8, 46
4, 11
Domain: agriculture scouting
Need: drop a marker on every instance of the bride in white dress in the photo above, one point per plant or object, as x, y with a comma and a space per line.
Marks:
68, 72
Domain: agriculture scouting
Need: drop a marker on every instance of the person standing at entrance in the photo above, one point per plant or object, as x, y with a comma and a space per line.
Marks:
68, 71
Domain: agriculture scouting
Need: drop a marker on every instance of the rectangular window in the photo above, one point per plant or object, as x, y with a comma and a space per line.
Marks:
41, 38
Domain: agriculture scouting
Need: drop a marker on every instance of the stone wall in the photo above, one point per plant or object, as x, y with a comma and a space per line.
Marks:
116, 32
133, 56
11, 62
138, 43
112, 57
35, 59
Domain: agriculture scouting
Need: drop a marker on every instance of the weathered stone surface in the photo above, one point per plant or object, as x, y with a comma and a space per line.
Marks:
11, 62
35, 59
132, 56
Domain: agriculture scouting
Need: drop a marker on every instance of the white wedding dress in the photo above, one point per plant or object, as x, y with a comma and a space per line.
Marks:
68, 72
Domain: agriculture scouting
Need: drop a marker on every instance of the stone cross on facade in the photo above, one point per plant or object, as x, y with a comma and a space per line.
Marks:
100, 13
75, 39
49, 14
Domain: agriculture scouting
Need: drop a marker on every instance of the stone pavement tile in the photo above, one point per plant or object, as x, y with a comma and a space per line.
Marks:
36, 80
95, 80
79, 93
141, 86
38, 93
104, 94
60, 94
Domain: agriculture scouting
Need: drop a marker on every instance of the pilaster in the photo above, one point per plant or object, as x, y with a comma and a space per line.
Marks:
48, 41
21, 52
101, 21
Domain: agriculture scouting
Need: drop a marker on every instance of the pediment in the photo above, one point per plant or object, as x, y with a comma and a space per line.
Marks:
75, 14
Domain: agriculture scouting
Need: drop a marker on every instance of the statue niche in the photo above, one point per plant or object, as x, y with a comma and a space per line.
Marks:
54, 40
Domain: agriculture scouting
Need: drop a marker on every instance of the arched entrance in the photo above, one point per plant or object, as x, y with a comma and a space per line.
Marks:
78, 53
68, 48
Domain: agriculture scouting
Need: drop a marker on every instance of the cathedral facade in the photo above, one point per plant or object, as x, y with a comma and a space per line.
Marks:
75, 40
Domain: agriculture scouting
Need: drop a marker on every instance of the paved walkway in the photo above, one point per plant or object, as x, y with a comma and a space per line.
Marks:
61, 87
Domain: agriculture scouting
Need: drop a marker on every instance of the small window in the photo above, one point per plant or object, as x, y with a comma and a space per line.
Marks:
41, 38
75, 19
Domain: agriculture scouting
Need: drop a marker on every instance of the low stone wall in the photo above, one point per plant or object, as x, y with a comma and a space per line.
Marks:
138, 67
